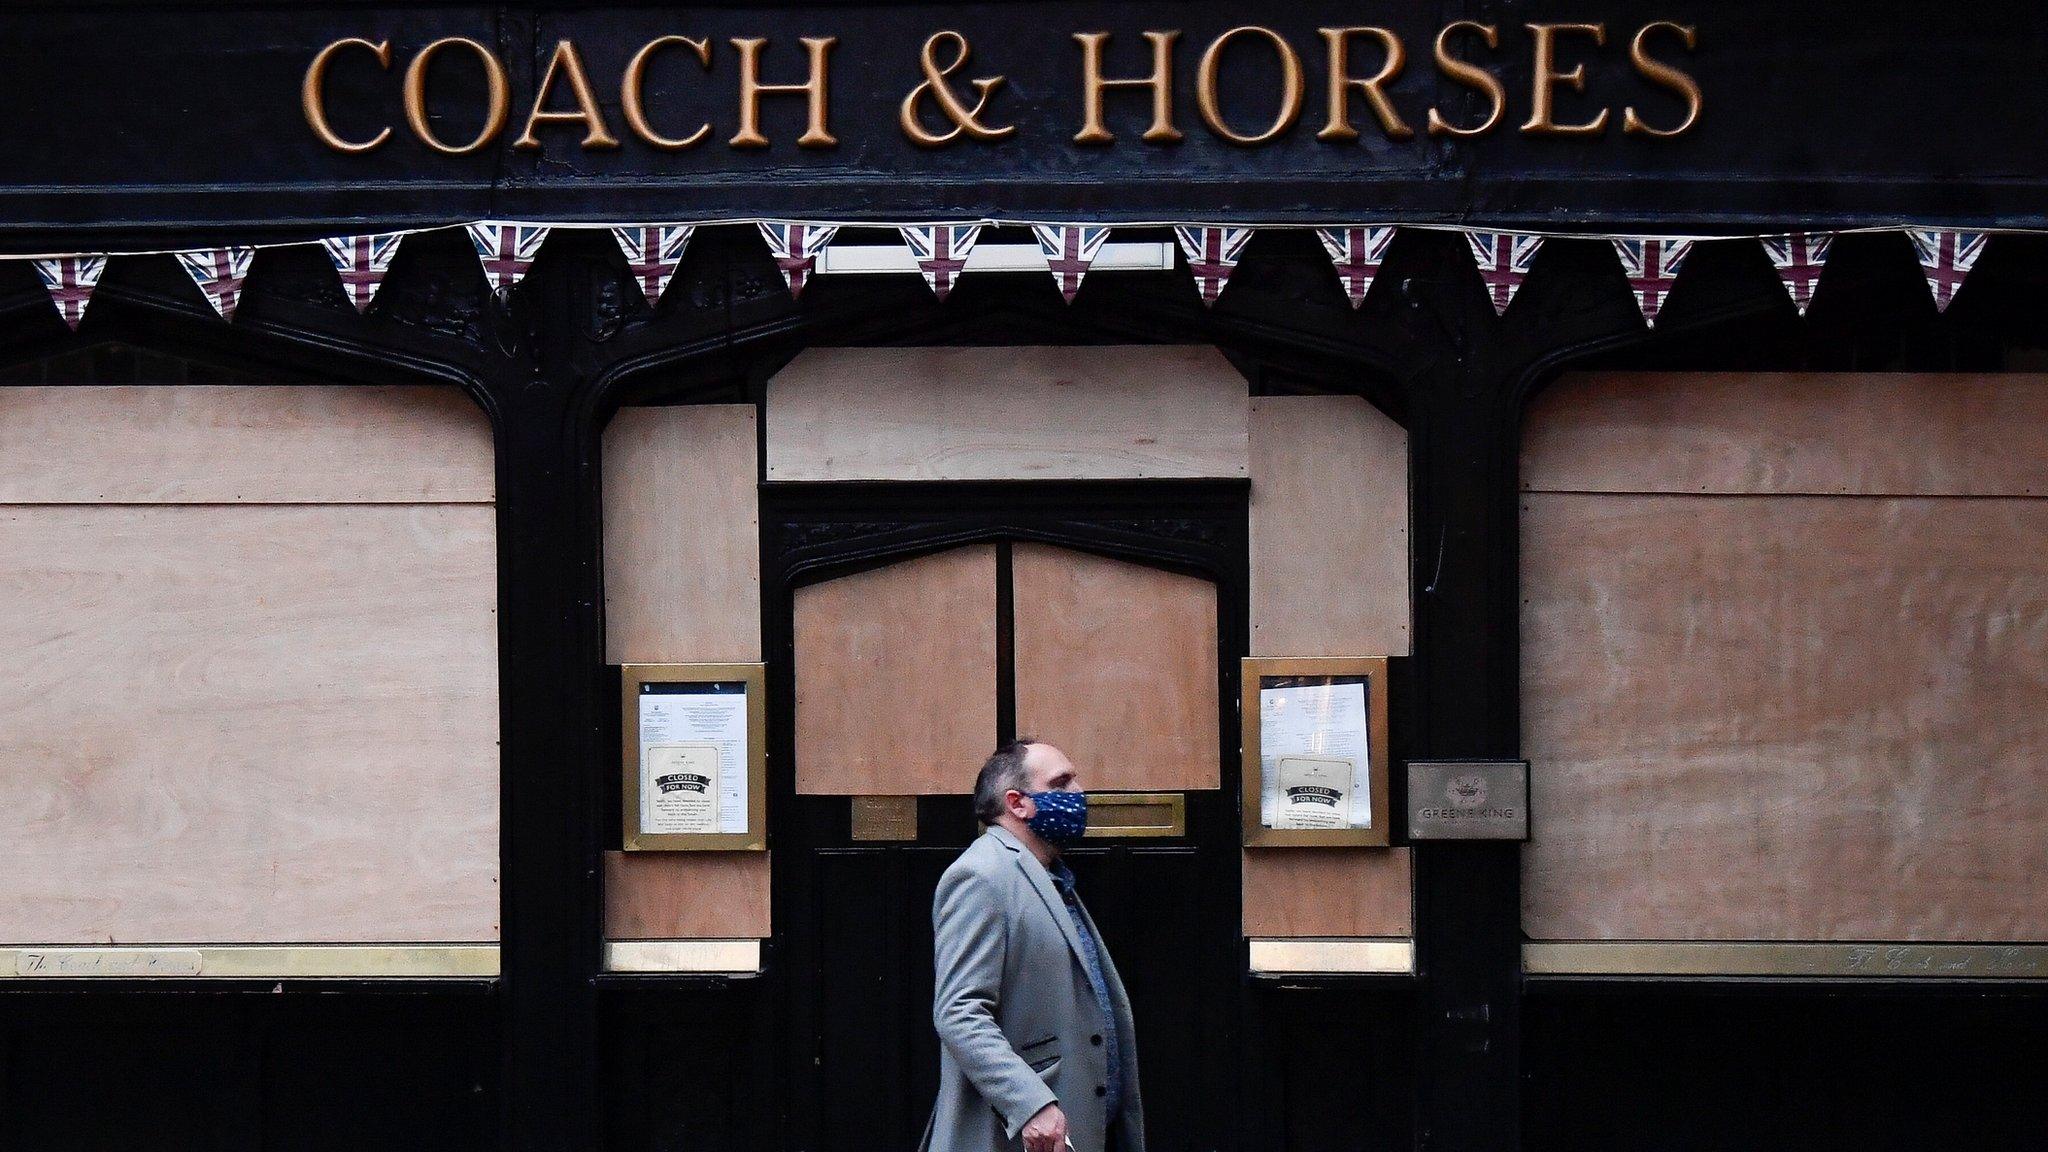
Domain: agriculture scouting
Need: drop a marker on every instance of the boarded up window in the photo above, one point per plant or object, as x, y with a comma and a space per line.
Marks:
1784, 648
251, 685
1116, 664
896, 677
1029, 413
682, 585
1329, 511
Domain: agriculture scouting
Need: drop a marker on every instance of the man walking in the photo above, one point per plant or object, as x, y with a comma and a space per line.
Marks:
1035, 1034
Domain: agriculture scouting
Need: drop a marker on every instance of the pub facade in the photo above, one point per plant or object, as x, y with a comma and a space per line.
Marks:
519, 524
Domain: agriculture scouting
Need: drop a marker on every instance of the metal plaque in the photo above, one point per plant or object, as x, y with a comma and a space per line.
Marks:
885, 817
1468, 800
1137, 814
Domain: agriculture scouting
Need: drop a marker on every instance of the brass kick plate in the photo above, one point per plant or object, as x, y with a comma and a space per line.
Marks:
1125, 814
885, 817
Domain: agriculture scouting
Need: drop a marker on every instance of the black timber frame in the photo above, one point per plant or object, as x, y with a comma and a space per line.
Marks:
550, 361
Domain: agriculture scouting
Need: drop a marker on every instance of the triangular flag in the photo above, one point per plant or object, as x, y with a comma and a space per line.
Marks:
652, 253
219, 274
1503, 259
1651, 265
507, 251
1947, 257
361, 262
71, 280
1212, 255
1357, 254
1069, 249
1798, 257
941, 252
796, 248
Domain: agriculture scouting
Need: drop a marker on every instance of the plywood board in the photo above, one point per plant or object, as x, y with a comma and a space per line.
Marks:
1803, 718
1293, 892
236, 444
896, 677
1031, 413
1116, 664
685, 895
1329, 528
248, 724
682, 542
1890, 434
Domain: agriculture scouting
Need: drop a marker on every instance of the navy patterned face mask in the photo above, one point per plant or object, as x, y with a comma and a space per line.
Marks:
1061, 817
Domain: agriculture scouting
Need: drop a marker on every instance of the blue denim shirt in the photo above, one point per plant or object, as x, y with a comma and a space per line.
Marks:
1091, 952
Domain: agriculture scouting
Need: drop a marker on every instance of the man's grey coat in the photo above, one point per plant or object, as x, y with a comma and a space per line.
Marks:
1019, 1026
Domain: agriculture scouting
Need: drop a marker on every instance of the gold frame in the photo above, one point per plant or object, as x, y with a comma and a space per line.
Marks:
755, 838
1374, 668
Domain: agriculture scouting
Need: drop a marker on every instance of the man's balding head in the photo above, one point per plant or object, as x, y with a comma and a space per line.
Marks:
1023, 765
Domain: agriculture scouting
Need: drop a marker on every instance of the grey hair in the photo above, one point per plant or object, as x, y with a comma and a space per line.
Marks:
1002, 771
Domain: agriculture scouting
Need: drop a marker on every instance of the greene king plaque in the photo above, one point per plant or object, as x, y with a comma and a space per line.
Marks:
1468, 800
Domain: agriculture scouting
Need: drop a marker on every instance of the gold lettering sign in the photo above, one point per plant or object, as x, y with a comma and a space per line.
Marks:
949, 107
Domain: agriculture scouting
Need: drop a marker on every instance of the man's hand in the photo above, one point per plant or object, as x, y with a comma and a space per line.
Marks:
1046, 1131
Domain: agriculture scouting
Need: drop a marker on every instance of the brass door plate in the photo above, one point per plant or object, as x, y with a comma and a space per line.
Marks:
1125, 814
885, 817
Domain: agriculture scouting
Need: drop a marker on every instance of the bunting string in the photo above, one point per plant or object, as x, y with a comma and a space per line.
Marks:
506, 251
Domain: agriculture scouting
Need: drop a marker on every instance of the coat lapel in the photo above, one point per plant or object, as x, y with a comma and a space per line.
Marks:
1041, 883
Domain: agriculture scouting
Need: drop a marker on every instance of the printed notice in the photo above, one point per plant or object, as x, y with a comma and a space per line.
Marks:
1314, 759
693, 758
679, 789
1315, 792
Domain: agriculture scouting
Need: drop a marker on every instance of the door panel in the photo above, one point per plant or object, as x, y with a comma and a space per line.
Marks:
1144, 900
896, 676
1116, 664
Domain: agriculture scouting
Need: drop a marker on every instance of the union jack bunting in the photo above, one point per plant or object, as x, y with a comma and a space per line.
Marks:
1357, 254
1212, 255
1503, 259
71, 280
796, 248
1651, 266
219, 273
1069, 249
1798, 257
362, 262
652, 254
1947, 257
941, 252
507, 251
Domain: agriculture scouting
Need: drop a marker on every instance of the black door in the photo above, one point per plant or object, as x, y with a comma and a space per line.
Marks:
850, 965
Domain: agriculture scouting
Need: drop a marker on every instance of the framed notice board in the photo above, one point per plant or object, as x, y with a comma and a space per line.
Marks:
695, 757
1315, 751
